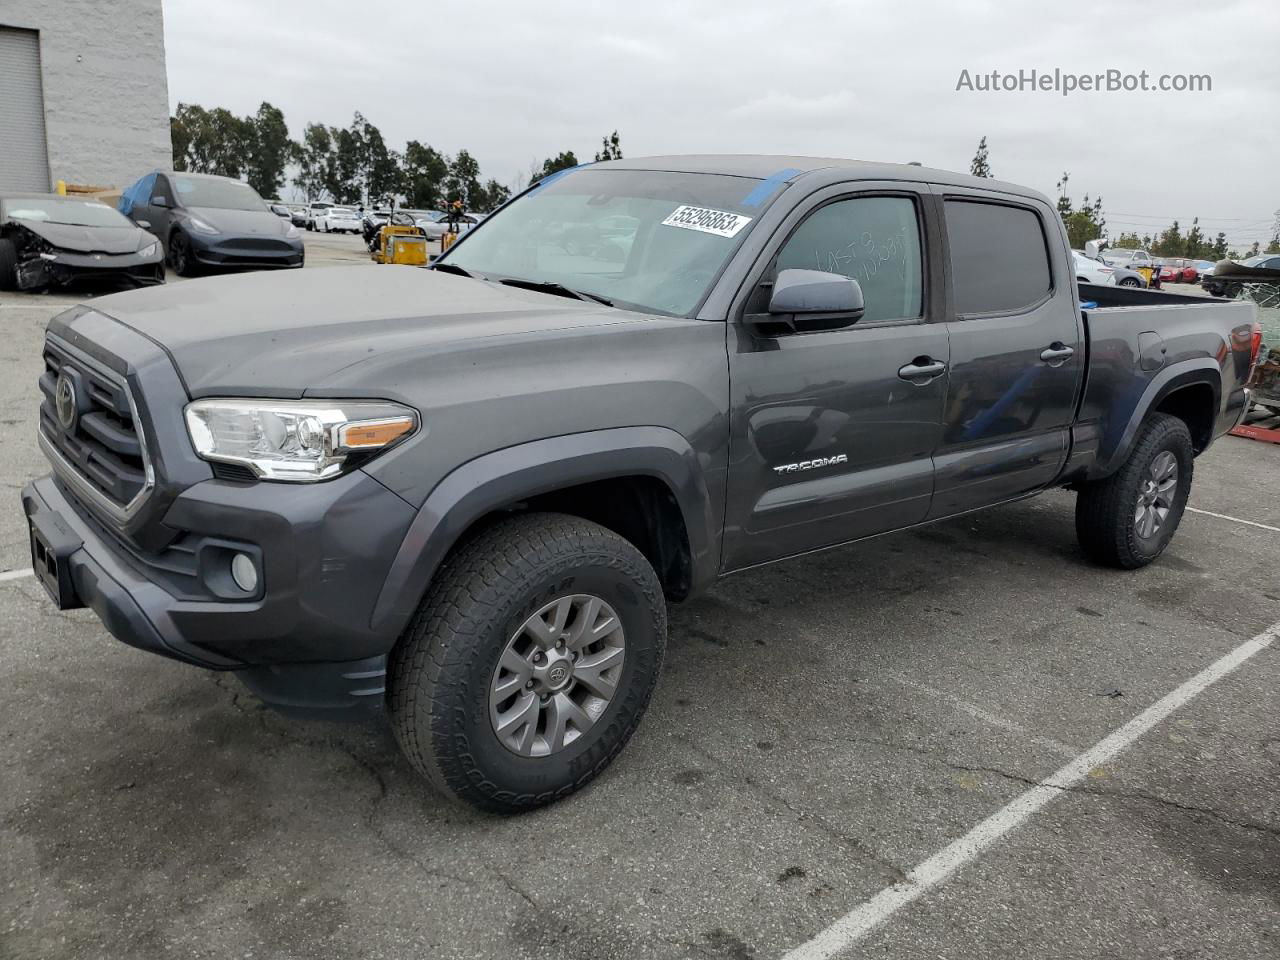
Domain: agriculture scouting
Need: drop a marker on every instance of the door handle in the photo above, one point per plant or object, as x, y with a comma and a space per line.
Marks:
921, 370
1056, 354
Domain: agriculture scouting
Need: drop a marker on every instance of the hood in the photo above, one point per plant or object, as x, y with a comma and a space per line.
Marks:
65, 236
261, 222
277, 334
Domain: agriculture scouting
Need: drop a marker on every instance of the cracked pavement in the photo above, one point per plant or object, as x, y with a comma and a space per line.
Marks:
821, 727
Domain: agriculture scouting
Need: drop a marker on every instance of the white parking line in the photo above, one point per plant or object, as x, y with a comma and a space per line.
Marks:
859, 922
1223, 516
16, 574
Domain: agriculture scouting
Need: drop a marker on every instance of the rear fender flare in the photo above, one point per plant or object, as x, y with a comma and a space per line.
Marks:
1116, 444
506, 476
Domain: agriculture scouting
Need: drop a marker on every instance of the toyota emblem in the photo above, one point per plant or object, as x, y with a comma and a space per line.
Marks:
64, 401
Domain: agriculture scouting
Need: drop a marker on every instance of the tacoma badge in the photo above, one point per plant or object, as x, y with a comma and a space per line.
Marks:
811, 464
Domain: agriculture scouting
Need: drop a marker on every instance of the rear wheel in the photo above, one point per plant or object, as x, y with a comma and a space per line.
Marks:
8, 265
529, 663
1129, 518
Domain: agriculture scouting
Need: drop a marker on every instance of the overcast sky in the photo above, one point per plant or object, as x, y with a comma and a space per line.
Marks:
870, 80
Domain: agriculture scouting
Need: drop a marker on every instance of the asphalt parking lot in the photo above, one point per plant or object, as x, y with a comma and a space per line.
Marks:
822, 728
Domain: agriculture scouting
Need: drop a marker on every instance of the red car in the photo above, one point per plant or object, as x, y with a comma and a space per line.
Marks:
1178, 270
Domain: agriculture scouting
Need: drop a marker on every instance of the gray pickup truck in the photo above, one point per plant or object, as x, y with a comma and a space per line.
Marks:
466, 493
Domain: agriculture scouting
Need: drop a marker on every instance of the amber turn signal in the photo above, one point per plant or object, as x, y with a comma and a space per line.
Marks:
370, 434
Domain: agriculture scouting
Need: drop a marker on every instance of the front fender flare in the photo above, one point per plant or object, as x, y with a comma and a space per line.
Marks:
506, 476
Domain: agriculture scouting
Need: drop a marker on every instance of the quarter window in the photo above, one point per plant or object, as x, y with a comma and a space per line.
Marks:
999, 257
874, 240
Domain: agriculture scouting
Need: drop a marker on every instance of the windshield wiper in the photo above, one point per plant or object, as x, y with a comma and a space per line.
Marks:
558, 289
450, 268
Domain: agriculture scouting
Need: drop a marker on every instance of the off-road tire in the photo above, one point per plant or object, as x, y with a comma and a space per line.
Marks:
439, 674
1105, 508
8, 265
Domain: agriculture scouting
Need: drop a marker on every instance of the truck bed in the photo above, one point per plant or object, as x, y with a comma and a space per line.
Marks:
1142, 345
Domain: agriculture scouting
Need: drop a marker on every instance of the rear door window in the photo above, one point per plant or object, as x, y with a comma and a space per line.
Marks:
999, 258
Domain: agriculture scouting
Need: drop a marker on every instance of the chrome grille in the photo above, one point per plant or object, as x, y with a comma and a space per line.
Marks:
93, 431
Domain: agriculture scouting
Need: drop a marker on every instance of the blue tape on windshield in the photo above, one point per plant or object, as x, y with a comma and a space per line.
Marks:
767, 188
556, 176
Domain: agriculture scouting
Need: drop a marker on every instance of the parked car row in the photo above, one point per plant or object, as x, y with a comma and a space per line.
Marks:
1127, 262
187, 220
190, 221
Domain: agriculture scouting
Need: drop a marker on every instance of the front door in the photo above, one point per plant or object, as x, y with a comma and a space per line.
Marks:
832, 433
1017, 353
162, 213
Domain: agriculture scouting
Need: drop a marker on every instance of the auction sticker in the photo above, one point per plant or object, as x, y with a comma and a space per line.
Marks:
719, 222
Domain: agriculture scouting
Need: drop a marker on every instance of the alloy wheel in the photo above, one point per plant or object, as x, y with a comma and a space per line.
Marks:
557, 675
1156, 494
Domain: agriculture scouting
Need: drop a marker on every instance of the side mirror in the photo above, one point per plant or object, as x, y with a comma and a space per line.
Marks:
159, 201
144, 224
1094, 248
812, 292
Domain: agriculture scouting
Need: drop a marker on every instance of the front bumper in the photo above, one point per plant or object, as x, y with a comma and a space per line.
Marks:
67, 268
246, 251
304, 641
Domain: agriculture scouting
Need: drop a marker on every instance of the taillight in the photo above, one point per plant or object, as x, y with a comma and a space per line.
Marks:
1255, 352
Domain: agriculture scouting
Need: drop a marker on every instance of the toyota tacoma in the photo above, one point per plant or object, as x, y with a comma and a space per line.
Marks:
465, 494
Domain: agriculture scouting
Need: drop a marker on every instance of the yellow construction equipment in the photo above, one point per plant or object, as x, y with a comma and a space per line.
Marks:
397, 244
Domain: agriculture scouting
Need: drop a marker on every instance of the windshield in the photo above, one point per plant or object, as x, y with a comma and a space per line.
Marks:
342, 211
78, 213
1253, 261
646, 240
217, 194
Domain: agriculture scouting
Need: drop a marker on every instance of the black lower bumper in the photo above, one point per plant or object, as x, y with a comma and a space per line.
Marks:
79, 570
219, 252
304, 645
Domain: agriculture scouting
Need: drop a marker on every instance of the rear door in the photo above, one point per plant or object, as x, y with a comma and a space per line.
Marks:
831, 432
1017, 351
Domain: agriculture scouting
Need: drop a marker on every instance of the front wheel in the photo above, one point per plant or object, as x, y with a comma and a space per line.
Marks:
1129, 518
184, 264
529, 663
1130, 282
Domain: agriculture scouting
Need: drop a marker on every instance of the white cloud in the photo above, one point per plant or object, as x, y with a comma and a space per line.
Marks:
809, 77
789, 107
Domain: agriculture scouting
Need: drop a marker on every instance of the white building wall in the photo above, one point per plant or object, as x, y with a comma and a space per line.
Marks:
106, 94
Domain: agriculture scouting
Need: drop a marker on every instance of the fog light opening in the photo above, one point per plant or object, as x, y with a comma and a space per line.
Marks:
244, 573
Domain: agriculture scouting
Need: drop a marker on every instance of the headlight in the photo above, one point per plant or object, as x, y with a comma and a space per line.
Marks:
296, 440
150, 248
201, 226
291, 232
